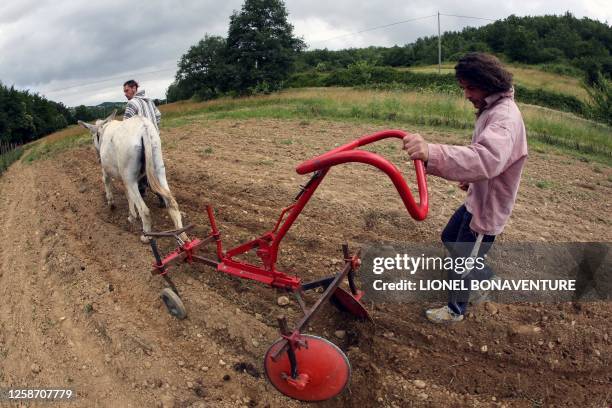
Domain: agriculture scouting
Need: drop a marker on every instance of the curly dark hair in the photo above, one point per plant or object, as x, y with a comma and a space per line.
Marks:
483, 71
131, 83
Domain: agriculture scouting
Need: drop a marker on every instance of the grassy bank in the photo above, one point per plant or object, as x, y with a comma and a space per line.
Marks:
55, 143
409, 110
529, 77
9, 157
386, 78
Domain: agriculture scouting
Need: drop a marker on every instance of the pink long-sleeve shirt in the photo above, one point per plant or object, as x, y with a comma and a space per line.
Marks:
492, 164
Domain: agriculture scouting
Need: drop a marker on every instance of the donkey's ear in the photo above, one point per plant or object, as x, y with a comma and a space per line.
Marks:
87, 125
111, 116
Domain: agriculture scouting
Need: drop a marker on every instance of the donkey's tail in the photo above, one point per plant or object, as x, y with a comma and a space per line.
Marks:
151, 134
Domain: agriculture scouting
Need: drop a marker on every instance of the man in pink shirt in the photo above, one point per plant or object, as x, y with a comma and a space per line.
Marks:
489, 169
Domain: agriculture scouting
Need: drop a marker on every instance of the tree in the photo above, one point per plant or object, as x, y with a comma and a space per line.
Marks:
175, 93
261, 47
25, 117
520, 44
83, 113
21, 124
203, 71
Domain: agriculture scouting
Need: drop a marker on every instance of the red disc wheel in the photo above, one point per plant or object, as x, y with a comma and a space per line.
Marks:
345, 301
325, 367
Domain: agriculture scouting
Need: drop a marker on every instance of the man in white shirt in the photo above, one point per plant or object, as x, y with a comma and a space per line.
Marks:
139, 105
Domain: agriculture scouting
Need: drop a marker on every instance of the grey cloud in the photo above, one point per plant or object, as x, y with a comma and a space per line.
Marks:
356, 16
15, 10
46, 45
89, 41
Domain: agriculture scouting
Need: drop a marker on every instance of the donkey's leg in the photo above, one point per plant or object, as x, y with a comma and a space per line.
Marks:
143, 210
177, 219
173, 209
160, 172
132, 208
107, 188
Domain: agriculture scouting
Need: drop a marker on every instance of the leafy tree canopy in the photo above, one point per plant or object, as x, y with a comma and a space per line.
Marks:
257, 56
25, 117
561, 43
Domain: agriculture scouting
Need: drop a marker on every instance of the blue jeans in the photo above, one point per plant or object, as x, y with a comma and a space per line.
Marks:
459, 239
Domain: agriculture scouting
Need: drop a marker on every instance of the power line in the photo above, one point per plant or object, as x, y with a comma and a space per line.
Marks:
475, 18
374, 28
401, 22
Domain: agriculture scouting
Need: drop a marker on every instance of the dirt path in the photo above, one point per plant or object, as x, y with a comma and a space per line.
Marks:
44, 339
80, 309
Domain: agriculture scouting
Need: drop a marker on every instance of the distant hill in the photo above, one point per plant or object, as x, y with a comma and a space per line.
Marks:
112, 105
121, 105
562, 44
89, 113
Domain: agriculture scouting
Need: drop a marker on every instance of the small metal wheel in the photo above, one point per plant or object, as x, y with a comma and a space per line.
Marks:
173, 303
325, 366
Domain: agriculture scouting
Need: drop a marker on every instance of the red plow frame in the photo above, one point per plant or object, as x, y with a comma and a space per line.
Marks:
300, 366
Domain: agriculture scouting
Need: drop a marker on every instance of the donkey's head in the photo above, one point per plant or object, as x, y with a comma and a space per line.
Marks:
97, 129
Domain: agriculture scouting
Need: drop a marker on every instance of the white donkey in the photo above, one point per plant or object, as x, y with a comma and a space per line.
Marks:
120, 147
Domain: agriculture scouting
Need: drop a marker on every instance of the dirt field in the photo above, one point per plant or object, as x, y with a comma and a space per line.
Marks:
80, 309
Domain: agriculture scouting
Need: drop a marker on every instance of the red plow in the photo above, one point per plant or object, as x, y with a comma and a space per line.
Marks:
301, 366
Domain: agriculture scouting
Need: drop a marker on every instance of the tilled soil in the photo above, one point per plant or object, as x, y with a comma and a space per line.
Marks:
81, 310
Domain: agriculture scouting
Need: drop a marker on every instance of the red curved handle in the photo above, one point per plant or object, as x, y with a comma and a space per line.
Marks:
346, 154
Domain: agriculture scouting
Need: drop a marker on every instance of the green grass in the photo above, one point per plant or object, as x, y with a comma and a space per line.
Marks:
207, 152
568, 131
529, 77
547, 129
49, 147
335, 103
543, 184
8, 158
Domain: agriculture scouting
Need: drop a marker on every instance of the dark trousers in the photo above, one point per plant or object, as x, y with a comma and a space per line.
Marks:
459, 239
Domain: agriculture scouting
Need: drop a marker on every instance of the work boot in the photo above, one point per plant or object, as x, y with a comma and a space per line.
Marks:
443, 314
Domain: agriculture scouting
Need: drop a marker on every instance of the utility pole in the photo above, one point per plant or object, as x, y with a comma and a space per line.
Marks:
439, 47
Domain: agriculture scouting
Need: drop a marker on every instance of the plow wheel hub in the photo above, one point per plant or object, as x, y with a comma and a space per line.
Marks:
323, 370
345, 301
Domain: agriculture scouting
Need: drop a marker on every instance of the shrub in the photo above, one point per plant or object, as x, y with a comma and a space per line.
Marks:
549, 99
600, 108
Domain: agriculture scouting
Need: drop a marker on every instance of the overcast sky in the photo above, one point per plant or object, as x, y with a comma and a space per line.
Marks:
79, 52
